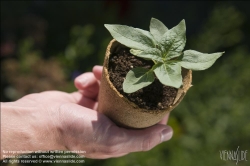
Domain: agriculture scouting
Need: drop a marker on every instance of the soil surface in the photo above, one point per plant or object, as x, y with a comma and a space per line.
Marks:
156, 96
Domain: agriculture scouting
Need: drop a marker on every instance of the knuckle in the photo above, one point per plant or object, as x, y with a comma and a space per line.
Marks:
147, 144
112, 150
112, 146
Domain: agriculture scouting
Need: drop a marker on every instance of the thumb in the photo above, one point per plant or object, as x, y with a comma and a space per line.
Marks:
146, 139
120, 141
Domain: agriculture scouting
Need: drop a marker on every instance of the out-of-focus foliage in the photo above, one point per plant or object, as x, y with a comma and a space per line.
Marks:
78, 49
29, 74
213, 116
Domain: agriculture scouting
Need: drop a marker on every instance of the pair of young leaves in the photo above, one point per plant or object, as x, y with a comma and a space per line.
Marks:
164, 47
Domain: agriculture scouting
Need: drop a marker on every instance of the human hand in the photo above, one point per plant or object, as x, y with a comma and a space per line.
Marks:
56, 120
133, 140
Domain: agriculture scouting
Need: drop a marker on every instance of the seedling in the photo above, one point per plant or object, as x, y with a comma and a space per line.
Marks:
165, 48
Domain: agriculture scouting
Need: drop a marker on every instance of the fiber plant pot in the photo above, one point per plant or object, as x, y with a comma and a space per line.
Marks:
124, 112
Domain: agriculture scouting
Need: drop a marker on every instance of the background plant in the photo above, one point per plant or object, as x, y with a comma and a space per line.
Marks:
164, 47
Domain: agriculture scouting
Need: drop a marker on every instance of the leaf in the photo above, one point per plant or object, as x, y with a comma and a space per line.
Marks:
195, 60
174, 40
146, 33
130, 37
152, 54
137, 78
169, 74
157, 29
135, 52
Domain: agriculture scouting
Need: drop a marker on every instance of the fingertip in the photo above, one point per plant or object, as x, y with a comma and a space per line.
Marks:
97, 70
85, 80
77, 83
166, 134
98, 67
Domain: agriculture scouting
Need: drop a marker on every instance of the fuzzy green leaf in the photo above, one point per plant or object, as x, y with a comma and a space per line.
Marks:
131, 37
174, 40
152, 53
146, 33
157, 29
135, 51
169, 74
137, 78
195, 60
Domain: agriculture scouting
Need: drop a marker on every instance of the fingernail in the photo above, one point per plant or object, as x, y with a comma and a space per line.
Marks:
166, 134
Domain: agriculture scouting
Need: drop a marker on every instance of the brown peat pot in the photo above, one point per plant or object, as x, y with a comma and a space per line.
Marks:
124, 112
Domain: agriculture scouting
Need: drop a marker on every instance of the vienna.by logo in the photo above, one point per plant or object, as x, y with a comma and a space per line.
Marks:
235, 155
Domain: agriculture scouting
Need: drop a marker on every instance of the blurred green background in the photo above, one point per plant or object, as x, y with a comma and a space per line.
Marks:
45, 45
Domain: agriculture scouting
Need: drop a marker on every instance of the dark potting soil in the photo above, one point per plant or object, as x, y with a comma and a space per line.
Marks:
153, 97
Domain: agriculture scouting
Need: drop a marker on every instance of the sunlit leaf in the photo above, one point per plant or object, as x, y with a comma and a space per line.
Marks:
137, 78
130, 37
169, 74
153, 54
195, 60
157, 29
174, 40
135, 51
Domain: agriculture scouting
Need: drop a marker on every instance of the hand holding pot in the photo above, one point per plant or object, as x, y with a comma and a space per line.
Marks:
109, 139
54, 120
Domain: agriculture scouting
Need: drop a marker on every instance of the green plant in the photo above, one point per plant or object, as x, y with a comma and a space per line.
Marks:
165, 48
